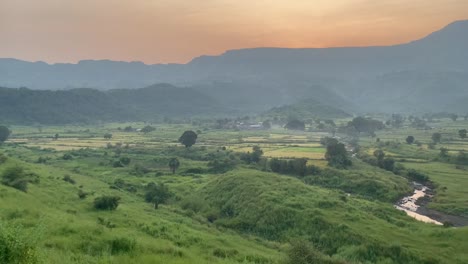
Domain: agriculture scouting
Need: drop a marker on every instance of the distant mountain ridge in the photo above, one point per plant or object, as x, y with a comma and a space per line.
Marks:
256, 79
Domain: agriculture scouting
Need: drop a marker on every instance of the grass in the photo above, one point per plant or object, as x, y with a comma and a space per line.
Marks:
243, 216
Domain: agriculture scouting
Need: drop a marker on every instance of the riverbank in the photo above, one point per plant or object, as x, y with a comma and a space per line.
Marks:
415, 205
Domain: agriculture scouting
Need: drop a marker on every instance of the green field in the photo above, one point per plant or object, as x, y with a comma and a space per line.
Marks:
243, 214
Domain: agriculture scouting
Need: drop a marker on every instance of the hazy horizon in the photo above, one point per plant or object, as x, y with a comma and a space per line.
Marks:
178, 31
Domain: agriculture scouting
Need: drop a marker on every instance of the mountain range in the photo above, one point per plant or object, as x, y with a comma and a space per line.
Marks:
426, 75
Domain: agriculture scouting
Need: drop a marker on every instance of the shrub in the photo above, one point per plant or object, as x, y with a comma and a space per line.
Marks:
82, 194
16, 247
301, 252
106, 202
15, 177
3, 158
417, 176
225, 253
122, 245
69, 179
67, 156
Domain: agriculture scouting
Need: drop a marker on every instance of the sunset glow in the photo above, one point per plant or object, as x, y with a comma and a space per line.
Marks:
163, 31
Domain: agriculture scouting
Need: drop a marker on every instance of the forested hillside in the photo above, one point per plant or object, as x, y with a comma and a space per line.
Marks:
25, 106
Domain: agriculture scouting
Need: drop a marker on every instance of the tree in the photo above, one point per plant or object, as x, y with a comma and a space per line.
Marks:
325, 141
253, 157
107, 202
188, 138
295, 124
410, 140
366, 125
56, 136
436, 138
266, 124
157, 194
148, 129
4, 133
379, 154
174, 164
443, 152
337, 156
107, 136
462, 133
397, 120
462, 157
454, 117
388, 164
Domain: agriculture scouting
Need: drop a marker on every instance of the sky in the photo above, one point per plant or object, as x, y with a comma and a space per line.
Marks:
176, 31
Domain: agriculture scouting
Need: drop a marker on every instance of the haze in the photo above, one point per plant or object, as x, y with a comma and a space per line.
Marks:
176, 31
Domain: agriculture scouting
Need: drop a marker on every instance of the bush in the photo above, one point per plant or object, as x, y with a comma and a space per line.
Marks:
15, 177
301, 252
122, 245
225, 253
69, 179
106, 202
3, 158
16, 247
82, 194
417, 176
67, 156
122, 162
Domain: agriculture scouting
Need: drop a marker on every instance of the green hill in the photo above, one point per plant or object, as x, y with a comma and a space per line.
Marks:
307, 108
245, 215
24, 106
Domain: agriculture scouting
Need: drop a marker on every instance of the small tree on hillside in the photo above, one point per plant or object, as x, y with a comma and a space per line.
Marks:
188, 138
157, 194
174, 164
410, 140
107, 136
462, 133
337, 156
436, 138
4, 134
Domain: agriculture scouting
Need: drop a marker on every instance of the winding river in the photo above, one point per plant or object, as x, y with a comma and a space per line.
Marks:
408, 204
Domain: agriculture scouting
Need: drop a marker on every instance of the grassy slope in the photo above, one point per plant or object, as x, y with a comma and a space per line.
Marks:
279, 207
73, 235
268, 205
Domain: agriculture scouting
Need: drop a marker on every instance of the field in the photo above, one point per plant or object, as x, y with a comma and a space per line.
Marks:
243, 214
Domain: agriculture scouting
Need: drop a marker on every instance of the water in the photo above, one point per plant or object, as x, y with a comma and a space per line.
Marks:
408, 204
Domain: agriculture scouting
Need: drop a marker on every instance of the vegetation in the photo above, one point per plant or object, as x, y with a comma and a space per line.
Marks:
188, 138
174, 164
295, 124
337, 155
106, 202
156, 194
238, 197
4, 133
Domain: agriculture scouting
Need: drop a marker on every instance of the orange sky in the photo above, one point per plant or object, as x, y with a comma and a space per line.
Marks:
162, 31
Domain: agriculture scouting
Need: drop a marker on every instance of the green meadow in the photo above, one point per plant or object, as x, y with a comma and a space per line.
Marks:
222, 209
